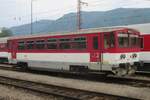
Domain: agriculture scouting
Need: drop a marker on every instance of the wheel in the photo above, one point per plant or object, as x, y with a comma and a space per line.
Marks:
23, 66
132, 70
121, 71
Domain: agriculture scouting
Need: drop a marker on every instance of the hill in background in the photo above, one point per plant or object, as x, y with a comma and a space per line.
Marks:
116, 17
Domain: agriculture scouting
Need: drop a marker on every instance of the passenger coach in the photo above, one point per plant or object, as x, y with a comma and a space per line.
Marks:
114, 50
145, 52
3, 50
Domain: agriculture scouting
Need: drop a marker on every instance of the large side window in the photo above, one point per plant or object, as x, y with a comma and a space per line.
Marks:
95, 42
40, 44
21, 45
65, 43
79, 43
123, 40
30, 44
52, 43
109, 40
134, 40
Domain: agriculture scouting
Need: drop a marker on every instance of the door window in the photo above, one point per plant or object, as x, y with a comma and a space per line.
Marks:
95, 42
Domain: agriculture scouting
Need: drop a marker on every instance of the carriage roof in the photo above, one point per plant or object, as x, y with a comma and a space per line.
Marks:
82, 31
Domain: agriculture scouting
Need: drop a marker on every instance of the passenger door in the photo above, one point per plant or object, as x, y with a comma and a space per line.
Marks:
95, 55
12, 49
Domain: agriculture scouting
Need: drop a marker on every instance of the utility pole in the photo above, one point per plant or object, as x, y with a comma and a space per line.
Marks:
79, 15
31, 17
79, 20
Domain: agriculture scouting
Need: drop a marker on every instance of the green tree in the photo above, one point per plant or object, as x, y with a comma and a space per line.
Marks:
5, 32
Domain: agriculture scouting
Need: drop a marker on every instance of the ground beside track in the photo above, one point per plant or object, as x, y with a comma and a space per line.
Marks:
108, 88
11, 93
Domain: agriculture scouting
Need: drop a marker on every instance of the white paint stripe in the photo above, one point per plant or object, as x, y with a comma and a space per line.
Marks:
145, 56
3, 54
114, 58
59, 57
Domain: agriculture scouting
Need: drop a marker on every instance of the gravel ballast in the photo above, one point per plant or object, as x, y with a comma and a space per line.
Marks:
108, 88
11, 93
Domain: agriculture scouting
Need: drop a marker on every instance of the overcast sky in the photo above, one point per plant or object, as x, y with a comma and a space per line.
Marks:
17, 12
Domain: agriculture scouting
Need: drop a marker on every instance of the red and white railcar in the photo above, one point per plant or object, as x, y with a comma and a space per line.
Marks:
113, 50
3, 50
145, 49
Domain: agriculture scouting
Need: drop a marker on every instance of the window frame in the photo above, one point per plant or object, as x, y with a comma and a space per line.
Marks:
141, 42
79, 40
65, 42
136, 41
51, 42
108, 41
95, 42
27, 44
123, 34
24, 42
39, 43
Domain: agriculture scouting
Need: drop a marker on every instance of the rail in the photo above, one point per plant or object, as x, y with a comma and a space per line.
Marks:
137, 81
67, 93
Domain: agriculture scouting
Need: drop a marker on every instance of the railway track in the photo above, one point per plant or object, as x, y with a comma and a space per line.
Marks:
129, 80
67, 93
143, 73
136, 81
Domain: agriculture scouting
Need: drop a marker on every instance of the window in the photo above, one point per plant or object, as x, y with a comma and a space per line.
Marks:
141, 41
52, 44
134, 40
95, 42
106, 41
21, 45
123, 39
109, 40
30, 44
79, 43
40, 44
112, 40
65, 43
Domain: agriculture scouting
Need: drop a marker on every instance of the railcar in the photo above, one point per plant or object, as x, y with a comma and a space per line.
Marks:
145, 52
111, 50
3, 50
